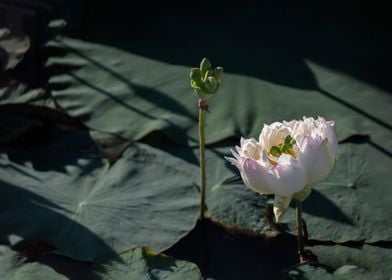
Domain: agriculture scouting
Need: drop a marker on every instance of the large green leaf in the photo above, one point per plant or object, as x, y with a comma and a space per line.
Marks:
364, 262
14, 267
229, 201
308, 272
140, 263
12, 92
126, 94
352, 204
67, 196
342, 262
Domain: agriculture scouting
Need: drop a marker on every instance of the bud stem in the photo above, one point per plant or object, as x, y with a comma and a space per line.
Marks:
300, 238
202, 163
202, 104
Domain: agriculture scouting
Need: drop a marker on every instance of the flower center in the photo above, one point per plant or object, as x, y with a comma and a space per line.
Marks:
286, 147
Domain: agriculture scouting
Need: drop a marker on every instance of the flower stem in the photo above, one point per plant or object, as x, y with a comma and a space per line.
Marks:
301, 245
202, 163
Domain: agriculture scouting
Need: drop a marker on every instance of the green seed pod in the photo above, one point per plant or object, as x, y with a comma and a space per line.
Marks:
205, 66
217, 73
287, 140
207, 74
284, 150
275, 151
195, 85
205, 81
211, 85
195, 75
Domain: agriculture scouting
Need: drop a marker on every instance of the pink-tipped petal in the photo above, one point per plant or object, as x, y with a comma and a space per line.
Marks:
317, 158
286, 180
236, 154
254, 176
234, 162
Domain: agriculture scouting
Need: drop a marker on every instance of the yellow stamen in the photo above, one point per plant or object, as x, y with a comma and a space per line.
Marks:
292, 153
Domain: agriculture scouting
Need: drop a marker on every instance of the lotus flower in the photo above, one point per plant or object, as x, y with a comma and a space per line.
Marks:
288, 158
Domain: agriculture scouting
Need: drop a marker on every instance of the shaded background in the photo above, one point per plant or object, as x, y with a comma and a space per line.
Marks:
264, 39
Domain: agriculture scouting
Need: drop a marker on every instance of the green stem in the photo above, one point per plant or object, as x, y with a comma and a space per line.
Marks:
301, 244
202, 164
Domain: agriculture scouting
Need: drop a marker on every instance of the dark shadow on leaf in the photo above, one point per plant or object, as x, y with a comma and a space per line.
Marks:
67, 148
319, 205
72, 269
361, 139
24, 126
236, 255
161, 141
3, 60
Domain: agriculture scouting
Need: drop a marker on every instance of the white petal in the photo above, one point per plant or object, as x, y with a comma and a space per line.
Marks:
254, 176
234, 162
286, 179
250, 148
331, 136
236, 154
274, 134
264, 157
317, 158
290, 124
242, 140
263, 138
238, 150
